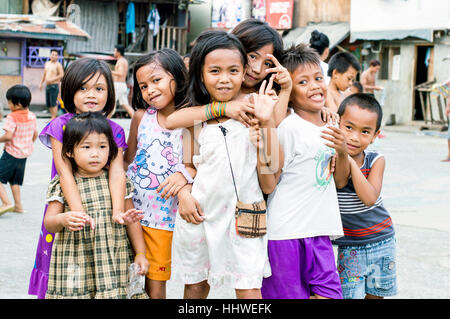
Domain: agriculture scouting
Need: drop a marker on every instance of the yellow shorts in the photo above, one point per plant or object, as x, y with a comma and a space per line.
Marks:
159, 252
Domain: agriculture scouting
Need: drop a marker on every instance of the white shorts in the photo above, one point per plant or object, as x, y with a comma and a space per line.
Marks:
121, 91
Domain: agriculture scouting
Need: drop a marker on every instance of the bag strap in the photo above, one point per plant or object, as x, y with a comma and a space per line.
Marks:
224, 132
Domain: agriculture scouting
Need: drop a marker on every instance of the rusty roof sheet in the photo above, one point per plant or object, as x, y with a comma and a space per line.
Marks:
31, 26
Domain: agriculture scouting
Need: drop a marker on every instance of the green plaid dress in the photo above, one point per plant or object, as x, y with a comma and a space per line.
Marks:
90, 263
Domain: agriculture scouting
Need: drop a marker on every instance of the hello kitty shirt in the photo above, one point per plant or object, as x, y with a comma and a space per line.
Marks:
158, 155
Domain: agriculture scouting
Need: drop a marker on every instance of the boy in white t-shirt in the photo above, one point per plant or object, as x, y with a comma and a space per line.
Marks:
303, 211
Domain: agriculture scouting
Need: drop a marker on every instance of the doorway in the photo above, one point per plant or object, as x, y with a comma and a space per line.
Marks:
424, 73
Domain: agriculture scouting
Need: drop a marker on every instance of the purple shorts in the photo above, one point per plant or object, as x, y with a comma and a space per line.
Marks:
301, 268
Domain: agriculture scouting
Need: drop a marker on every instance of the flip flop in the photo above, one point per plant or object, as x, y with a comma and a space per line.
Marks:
6, 209
446, 160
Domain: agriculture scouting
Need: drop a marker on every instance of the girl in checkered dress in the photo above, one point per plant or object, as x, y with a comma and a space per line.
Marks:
87, 85
91, 253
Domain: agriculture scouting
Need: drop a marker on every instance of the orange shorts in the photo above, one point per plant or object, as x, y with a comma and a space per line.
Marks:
159, 252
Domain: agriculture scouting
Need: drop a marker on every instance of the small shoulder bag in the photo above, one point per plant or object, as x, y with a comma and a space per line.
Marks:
250, 218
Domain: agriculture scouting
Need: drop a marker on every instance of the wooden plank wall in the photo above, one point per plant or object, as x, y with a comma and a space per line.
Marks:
321, 10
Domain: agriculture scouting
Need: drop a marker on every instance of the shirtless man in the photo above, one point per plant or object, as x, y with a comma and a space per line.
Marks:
53, 73
368, 77
120, 81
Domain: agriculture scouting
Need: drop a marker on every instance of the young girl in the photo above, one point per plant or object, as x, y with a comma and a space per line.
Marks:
91, 262
87, 85
155, 155
264, 47
207, 249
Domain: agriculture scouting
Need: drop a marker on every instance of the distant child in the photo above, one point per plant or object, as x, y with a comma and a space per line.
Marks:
20, 134
209, 250
342, 70
321, 43
91, 254
154, 158
303, 211
264, 47
366, 254
87, 85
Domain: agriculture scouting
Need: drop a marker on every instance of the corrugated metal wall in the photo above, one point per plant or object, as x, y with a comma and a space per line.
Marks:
101, 21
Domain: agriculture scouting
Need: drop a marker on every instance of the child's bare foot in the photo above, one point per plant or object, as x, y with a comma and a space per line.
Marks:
18, 209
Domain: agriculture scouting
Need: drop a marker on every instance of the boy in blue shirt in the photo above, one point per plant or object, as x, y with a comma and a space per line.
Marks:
366, 253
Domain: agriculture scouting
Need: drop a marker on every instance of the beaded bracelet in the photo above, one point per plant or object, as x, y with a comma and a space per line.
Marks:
215, 110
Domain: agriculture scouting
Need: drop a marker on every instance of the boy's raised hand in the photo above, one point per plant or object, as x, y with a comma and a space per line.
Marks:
282, 76
265, 101
337, 139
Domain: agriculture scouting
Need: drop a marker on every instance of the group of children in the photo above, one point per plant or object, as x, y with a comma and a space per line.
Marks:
247, 123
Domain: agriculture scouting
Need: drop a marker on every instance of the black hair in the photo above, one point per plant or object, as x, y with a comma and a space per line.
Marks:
363, 101
54, 50
207, 42
173, 64
299, 54
120, 48
358, 86
79, 127
254, 34
79, 73
341, 61
19, 94
374, 62
319, 41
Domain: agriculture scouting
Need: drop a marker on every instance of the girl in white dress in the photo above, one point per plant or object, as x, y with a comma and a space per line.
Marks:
207, 250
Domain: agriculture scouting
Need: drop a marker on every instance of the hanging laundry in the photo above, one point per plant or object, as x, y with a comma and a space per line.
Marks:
130, 21
153, 20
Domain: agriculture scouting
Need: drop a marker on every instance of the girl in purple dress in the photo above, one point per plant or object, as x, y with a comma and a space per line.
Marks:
87, 85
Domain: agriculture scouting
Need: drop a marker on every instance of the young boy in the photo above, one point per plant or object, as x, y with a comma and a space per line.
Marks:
366, 254
303, 210
20, 134
342, 70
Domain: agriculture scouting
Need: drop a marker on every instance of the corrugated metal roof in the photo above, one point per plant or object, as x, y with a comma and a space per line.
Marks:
336, 32
424, 34
31, 26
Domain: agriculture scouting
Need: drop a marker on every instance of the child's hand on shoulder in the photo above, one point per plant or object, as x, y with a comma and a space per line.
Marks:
143, 263
337, 139
171, 185
239, 110
75, 221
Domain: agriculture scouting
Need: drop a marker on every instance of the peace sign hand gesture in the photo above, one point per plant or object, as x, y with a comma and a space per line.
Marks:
282, 76
265, 101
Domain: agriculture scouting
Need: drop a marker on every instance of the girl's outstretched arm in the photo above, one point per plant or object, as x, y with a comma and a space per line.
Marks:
68, 184
136, 236
130, 152
117, 184
55, 219
188, 116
